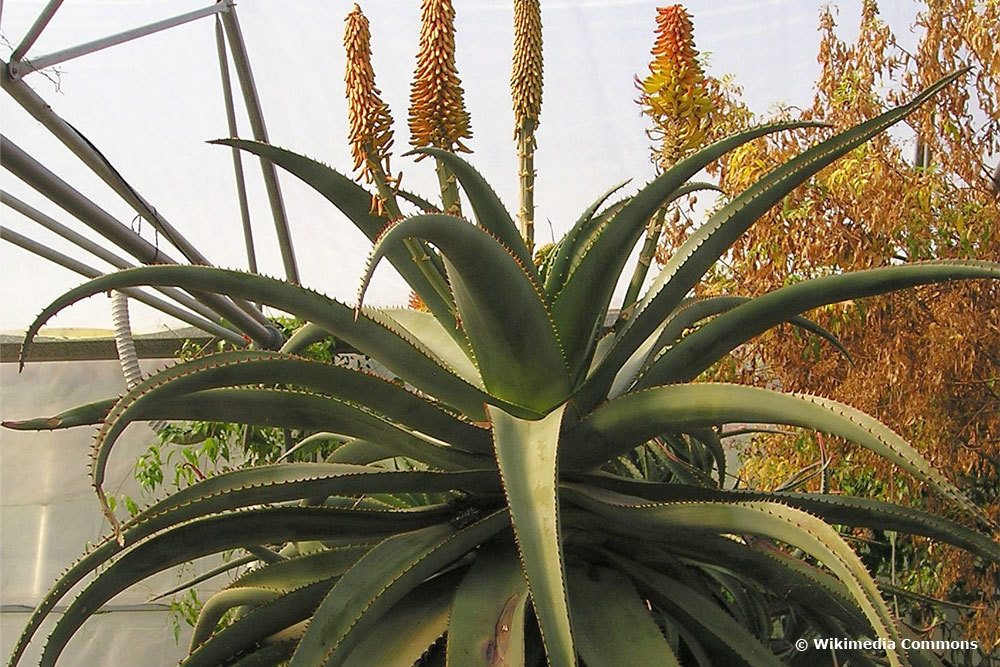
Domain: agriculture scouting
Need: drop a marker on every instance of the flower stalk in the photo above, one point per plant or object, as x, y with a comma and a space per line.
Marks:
526, 94
371, 137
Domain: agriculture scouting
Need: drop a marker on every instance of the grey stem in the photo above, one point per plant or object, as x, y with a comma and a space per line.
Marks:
96, 162
241, 186
83, 269
66, 197
100, 251
243, 72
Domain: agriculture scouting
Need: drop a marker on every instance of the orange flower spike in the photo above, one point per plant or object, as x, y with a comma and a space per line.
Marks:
674, 94
370, 120
526, 74
437, 108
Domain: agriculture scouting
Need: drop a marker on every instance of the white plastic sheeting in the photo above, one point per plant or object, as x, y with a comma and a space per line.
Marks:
151, 104
48, 513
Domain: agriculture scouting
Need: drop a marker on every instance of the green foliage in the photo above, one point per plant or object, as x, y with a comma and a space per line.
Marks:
526, 446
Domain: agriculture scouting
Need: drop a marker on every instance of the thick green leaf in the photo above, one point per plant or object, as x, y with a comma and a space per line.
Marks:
785, 576
246, 488
82, 415
527, 454
356, 203
418, 201
725, 333
397, 352
407, 630
223, 601
490, 211
839, 509
309, 412
425, 328
555, 278
215, 534
385, 399
611, 622
294, 573
701, 616
379, 580
625, 422
710, 241
511, 333
256, 626
360, 452
214, 572
580, 307
770, 519
686, 316
487, 623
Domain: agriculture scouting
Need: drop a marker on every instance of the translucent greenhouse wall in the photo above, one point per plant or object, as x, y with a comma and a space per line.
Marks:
49, 512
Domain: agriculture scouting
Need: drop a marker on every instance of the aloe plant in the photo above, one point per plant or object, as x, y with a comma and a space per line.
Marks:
537, 481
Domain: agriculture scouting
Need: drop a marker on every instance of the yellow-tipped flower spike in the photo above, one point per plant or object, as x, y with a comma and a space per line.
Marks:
674, 94
437, 108
370, 120
526, 74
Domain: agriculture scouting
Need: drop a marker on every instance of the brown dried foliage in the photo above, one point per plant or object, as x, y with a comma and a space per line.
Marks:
928, 359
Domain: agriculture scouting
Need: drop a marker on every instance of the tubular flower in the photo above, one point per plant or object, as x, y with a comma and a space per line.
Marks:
437, 110
370, 120
526, 74
674, 95
416, 303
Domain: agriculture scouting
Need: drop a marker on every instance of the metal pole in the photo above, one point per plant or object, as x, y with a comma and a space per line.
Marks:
90, 156
36, 29
242, 62
98, 250
18, 68
241, 186
63, 195
65, 261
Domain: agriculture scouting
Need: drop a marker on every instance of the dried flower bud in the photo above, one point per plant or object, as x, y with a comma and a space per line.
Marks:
674, 94
416, 303
437, 109
370, 120
526, 74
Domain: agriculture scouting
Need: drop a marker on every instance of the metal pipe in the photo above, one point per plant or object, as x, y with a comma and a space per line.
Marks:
241, 186
65, 261
242, 63
18, 68
36, 29
100, 251
63, 195
92, 158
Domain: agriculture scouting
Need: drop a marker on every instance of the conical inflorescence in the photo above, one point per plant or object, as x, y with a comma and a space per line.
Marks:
674, 94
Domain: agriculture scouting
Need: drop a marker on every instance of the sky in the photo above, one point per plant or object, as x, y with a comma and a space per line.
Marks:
151, 104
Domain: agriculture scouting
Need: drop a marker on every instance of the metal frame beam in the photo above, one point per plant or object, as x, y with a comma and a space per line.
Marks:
256, 115
77, 266
92, 158
20, 66
37, 176
36, 29
99, 251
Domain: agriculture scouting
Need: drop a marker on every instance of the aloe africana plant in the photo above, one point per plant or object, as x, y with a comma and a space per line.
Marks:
482, 510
